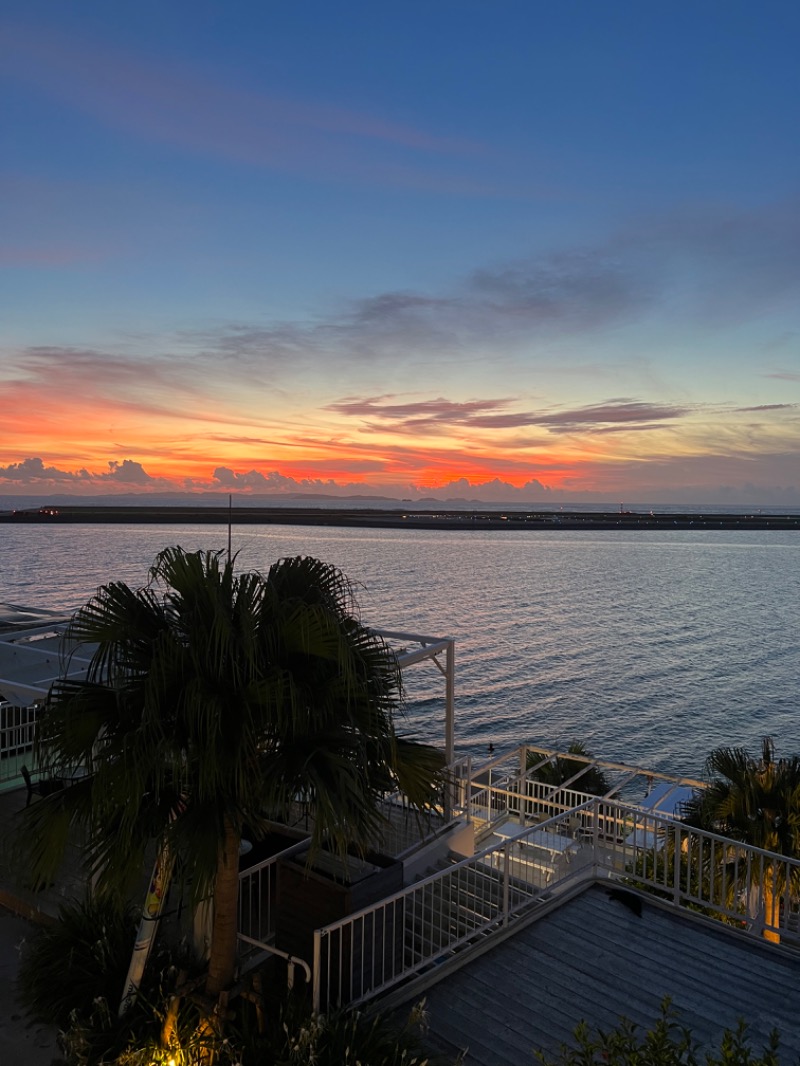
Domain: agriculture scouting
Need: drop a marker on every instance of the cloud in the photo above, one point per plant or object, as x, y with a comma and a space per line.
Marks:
769, 407
190, 109
495, 308
546, 294
576, 290
725, 478
32, 470
491, 414
495, 491
48, 256
719, 266
787, 339
620, 414
100, 372
273, 482
710, 270
420, 411
127, 473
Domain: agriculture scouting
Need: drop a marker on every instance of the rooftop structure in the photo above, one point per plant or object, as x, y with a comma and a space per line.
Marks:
523, 905
595, 958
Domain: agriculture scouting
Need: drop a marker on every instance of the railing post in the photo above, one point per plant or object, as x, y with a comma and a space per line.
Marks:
450, 701
316, 974
596, 833
676, 866
506, 881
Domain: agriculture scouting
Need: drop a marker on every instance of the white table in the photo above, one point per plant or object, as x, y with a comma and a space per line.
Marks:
553, 843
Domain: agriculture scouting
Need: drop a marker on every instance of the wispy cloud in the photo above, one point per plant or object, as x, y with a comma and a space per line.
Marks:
53, 256
53, 376
623, 412
720, 265
192, 109
329, 399
492, 414
438, 410
710, 271
784, 375
769, 407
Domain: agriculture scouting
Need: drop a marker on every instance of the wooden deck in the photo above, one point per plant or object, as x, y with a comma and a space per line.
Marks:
594, 959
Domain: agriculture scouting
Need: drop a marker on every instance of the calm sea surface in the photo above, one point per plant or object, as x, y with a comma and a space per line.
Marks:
653, 648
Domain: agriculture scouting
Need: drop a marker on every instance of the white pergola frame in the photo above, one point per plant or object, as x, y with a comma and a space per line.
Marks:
430, 649
31, 659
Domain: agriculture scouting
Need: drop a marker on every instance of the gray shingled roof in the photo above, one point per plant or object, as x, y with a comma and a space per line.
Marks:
594, 959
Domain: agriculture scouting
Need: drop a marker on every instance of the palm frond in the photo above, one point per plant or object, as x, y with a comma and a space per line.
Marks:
213, 700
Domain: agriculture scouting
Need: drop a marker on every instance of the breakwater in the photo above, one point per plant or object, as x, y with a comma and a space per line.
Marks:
410, 518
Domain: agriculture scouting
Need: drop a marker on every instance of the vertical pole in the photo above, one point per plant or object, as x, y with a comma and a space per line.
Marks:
525, 808
676, 866
316, 992
450, 702
595, 833
230, 522
506, 881
449, 723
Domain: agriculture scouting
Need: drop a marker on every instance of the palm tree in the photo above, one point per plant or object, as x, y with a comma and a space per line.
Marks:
213, 698
756, 801
581, 772
555, 771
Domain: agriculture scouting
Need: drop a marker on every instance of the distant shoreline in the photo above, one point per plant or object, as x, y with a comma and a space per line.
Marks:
400, 518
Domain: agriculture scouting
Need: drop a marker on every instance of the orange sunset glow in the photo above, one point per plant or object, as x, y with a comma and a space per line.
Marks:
234, 262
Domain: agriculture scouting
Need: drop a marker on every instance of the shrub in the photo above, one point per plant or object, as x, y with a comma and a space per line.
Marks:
667, 1044
77, 960
347, 1038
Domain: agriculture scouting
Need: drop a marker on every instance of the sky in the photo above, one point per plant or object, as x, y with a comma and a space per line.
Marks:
526, 252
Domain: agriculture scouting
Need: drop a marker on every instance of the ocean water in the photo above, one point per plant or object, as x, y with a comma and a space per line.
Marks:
653, 648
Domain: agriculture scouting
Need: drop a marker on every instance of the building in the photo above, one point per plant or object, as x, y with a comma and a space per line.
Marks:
518, 908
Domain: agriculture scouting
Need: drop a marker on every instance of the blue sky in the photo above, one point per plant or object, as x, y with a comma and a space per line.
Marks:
516, 251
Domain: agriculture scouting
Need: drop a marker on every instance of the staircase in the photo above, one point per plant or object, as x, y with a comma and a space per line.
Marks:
451, 912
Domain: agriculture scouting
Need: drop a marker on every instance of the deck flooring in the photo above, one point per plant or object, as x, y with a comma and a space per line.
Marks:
594, 959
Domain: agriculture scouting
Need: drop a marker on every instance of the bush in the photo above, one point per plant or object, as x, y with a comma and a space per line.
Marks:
342, 1038
667, 1044
77, 960
72, 975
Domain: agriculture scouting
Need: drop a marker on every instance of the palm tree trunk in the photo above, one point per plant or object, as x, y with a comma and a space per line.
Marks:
771, 907
222, 956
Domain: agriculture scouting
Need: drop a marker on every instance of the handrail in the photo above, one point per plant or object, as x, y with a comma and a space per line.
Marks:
291, 960
17, 731
516, 884
255, 896
366, 953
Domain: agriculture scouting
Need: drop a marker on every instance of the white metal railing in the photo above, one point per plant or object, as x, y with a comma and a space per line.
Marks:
460, 772
405, 827
366, 953
532, 799
257, 885
498, 793
754, 890
371, 951
17, 729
